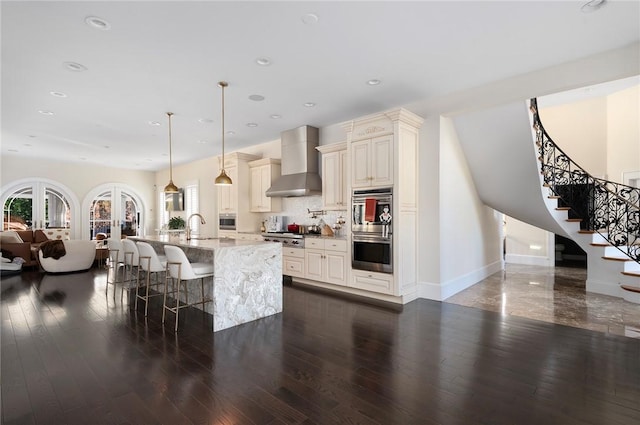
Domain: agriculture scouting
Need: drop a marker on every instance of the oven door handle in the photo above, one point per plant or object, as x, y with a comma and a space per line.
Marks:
378, 239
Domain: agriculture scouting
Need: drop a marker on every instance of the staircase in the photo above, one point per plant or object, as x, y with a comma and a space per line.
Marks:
608, 214
554, 194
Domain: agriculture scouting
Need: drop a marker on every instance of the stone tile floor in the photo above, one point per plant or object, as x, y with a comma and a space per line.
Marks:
552, 294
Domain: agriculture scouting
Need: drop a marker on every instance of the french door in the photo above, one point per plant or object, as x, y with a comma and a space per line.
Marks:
115, 211
38, 205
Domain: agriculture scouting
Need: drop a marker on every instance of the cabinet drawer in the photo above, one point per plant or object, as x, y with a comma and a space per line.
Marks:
370, 281
293, 266
293, 252
335, 245
315, 243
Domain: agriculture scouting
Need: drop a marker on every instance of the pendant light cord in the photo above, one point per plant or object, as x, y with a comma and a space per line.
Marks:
170, 155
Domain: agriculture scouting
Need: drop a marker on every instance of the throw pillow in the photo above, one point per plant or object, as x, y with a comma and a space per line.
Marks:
10, 237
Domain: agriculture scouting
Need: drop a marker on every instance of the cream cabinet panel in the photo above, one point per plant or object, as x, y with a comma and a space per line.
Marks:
334, 180
372, 162
293, 266
371, 281
314, 262
263, 173
231, 234
336, 267
227, 197
360, 163
382, 161
315, 243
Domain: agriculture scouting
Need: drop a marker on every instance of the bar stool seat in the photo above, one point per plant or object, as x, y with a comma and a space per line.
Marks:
150, 263
181, 271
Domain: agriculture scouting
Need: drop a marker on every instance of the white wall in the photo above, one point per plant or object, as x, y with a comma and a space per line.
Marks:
580, 130
470, 245
527, 244
623, 133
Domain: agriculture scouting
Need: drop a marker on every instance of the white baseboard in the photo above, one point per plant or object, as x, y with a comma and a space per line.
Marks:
530, 260
442, 291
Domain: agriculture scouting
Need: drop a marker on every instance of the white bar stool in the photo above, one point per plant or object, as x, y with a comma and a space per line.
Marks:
115, 264
181, 270
131, 258
150, 263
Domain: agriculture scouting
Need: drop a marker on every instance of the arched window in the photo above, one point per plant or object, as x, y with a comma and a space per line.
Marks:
39, 204
115, 210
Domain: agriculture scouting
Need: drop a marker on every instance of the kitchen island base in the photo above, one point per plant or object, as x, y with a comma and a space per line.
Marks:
247, 282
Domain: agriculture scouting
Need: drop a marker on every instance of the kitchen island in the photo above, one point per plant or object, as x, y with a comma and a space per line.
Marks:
247, 283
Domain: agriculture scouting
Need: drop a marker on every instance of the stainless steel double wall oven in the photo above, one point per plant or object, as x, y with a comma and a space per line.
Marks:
372, 230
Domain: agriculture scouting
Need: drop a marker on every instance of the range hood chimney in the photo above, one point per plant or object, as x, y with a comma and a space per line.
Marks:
299, 164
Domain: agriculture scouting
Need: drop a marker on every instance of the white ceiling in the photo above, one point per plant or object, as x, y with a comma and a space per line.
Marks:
168, 56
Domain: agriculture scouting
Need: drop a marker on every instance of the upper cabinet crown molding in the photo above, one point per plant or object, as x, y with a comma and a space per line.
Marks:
333, 147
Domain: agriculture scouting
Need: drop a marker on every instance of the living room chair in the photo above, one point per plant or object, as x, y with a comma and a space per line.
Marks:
181, 271
149, 263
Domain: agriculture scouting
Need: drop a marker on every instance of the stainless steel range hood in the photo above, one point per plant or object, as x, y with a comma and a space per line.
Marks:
299, 164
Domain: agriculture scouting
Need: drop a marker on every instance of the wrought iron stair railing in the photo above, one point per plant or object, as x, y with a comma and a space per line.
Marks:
608, 208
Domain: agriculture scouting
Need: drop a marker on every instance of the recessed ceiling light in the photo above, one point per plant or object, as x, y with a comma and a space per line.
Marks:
43, 112
592, 6
156, 123
12, 150
107, 147
32, 136
309, 104
148, 159
205, 120
98, 23
374, 82
256, 97
27, 144
74, 66
202, 142
276, 116
252, 124
82, 158
231, 132
57, 94
263, 61
310, 19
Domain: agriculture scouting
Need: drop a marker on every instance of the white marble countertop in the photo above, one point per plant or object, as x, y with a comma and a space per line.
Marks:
206, 243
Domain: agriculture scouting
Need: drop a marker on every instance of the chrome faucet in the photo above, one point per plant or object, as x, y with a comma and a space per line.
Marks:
188, 230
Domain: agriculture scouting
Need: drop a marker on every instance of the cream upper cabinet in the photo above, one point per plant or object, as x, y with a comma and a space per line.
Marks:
227, 196
263, 172
372, 162
235, 198
334, 176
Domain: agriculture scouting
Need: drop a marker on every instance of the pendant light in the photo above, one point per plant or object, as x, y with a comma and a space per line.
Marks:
170, 188
223, 179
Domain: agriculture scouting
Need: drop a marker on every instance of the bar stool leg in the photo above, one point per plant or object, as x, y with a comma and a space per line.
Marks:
177, 303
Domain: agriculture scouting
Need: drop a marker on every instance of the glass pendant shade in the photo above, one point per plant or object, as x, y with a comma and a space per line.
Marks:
170, 188
223, 179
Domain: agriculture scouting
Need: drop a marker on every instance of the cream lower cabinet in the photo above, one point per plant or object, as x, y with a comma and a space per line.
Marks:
326, 260
372, 281
250, 237
293, 262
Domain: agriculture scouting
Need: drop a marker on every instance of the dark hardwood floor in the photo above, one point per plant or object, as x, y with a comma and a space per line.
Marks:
70, 355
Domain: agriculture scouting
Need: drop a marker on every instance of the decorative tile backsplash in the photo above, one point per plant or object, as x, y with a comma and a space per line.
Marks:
295, 209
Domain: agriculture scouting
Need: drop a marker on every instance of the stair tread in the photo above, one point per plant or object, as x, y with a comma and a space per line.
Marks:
574, 220
600, 244
587, 232
563, 208
553, 197
617, 259
630, 288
